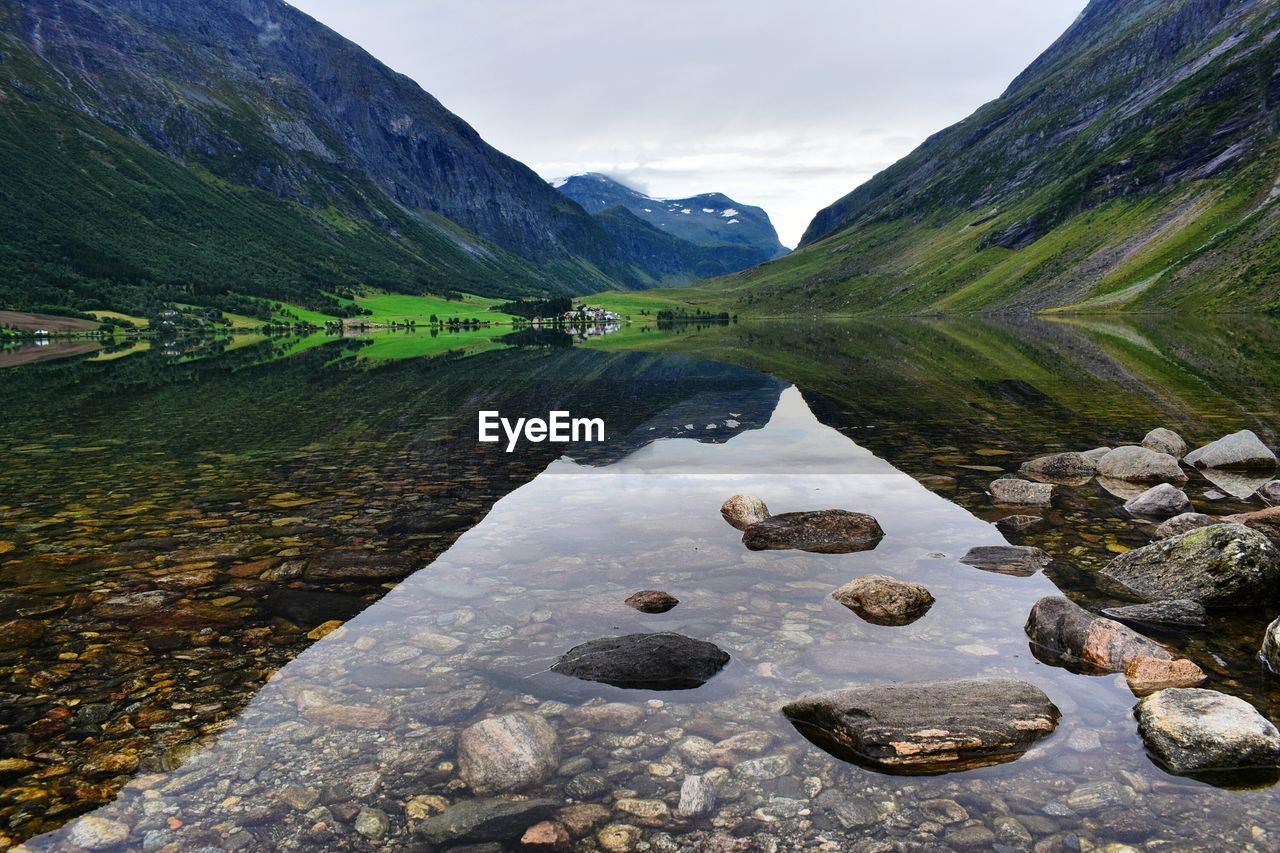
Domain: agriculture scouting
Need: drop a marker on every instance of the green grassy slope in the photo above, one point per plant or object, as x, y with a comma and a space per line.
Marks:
91, 217
1135, 166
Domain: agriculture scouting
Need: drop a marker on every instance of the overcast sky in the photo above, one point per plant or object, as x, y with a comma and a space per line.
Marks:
787, 105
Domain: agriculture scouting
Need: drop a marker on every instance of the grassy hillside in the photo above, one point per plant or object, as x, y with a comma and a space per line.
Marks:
90, 217
1135, 166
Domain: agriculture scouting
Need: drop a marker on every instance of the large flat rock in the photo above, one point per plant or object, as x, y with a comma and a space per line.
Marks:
828, 531
927, 727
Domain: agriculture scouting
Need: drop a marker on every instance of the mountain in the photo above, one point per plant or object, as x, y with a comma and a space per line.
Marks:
738, 235
199, 149
1132, 166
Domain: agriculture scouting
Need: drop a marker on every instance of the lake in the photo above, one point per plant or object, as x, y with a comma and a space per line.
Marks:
254, 590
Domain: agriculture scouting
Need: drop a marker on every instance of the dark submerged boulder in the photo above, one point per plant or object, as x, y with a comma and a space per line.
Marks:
658, 661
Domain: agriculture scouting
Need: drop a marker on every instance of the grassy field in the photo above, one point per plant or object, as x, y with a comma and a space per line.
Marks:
641, 306
403, 307
139, 322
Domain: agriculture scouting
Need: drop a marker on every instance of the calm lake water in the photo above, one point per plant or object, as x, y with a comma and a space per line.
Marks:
183, 530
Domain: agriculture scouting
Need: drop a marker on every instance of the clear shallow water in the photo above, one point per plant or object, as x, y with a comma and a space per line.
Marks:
472, 635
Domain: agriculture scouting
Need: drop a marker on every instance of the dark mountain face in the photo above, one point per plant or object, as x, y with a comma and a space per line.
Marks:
742, 234
1132, 164
256, 95
666, 259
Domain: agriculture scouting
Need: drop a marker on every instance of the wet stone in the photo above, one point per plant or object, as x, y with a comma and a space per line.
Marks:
1010, 491
1180, 614
652, 601
927, 727
308, 608
1223, 564
1160, 501
742, 511
1192, 729
884, 600
659, 661
612, 716
1183, 523
1147, 675
547, 835
831, 531
697, 796
1270, 653
1135, 464
1066, 633
1060, 466
1016, 560
485, 819
1241, 450
1164, 440
508, 753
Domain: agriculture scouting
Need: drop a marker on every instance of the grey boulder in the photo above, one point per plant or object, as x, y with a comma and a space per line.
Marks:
507, 753
658, 661
1167, 441
1241, 450
1135, 464
1179, 614
1189, 729
927, 727
1010, 491
828, 531
1162, 501
1222, 564
1065, 467
697, 796
743, 510
1270, 653
1184, 523
1016, 560
480, 820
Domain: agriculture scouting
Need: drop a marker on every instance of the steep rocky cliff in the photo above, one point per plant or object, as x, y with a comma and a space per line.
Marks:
266, 122
1132, 166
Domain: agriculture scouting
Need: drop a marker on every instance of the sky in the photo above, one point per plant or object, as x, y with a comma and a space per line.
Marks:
785, 105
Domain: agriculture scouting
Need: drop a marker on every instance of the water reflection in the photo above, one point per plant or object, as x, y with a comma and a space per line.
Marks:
310, 479
369, 717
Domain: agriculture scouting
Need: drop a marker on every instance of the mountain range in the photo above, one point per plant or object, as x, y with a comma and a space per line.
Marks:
1133, 166
212, 150
217, 151
741, 235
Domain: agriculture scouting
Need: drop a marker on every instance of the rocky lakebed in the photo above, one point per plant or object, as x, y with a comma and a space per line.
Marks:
773, 642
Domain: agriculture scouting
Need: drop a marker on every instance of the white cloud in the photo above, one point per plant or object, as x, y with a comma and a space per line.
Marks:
785, 106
